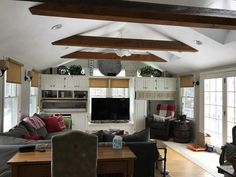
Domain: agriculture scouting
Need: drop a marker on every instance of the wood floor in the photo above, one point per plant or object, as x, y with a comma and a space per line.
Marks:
179, 166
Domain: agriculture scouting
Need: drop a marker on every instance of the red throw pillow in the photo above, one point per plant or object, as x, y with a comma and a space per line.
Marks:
52, 124
61, 122
33, 137
120, 132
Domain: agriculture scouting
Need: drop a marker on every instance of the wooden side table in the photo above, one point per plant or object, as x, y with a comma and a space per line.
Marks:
182, 131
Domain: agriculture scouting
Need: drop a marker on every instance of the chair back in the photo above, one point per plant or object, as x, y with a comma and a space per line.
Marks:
166, 110
234, 135
74, 154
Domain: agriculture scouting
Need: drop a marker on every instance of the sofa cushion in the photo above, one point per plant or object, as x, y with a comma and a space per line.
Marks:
42, 132
61, 122
52, 124
42, 115
68, 122
32, 131
100, 135
33, 137
17, 131
138, 136
108, 137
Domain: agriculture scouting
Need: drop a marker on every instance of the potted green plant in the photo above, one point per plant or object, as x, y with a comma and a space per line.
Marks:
75, 70
146, 71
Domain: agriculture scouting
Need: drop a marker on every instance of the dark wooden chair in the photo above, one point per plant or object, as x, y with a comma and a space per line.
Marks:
74, 154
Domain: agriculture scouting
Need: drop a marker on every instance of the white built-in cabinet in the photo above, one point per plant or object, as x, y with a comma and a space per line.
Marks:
79, 121
147, 84
140, 112
155, 84
63, 82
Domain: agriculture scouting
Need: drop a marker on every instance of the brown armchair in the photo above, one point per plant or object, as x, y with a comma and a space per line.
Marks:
160, 127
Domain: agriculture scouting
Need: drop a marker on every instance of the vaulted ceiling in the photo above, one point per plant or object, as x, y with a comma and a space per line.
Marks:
28, 38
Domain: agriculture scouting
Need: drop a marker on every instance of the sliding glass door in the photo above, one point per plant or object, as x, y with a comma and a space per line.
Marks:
213, 109
219, 105
231, 106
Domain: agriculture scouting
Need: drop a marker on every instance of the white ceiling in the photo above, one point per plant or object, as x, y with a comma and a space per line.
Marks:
27, 38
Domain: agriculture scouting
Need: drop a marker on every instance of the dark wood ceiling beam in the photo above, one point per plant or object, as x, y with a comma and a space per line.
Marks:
140, 12
124, 43
113, 56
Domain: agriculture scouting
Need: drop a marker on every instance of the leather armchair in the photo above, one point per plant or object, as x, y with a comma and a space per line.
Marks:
159, 130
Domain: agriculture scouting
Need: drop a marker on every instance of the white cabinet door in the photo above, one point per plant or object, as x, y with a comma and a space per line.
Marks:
83, 83
69, 83
60, 82
160, 84
170, 84
145, 84
79, 121
45, 82
77, 83
140, 113
166, 84
139, 83
150, 84
49, 82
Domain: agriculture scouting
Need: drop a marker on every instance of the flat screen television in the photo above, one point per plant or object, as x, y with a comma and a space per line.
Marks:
110, 109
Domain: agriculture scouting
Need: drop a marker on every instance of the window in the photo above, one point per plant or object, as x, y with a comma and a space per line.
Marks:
33, 100
231, 106
11, 99
120, 92
187, 100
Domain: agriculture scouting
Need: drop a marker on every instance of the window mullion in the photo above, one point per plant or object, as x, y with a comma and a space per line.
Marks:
224, 111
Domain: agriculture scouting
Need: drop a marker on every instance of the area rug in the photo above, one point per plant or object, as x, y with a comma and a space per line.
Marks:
208, 161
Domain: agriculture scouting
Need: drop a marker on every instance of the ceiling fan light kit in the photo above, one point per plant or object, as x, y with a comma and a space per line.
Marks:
123, 52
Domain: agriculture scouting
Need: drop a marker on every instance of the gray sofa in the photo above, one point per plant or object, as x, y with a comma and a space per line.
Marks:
146, 151
11, 141
9, 146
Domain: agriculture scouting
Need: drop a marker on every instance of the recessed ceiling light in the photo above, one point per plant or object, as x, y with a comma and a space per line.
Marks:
56, 27
197, 42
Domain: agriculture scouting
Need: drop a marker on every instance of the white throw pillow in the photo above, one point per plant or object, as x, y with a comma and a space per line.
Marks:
160, 118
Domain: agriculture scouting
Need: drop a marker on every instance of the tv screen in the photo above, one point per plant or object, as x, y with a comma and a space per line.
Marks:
110, 109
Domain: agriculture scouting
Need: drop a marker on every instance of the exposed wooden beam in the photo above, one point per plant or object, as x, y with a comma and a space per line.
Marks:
124, 43
139, 12
113, 56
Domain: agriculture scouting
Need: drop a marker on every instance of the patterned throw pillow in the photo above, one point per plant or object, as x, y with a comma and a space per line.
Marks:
61, 122
35, 122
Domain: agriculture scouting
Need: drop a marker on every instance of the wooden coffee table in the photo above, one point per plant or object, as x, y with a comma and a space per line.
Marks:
38, 164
